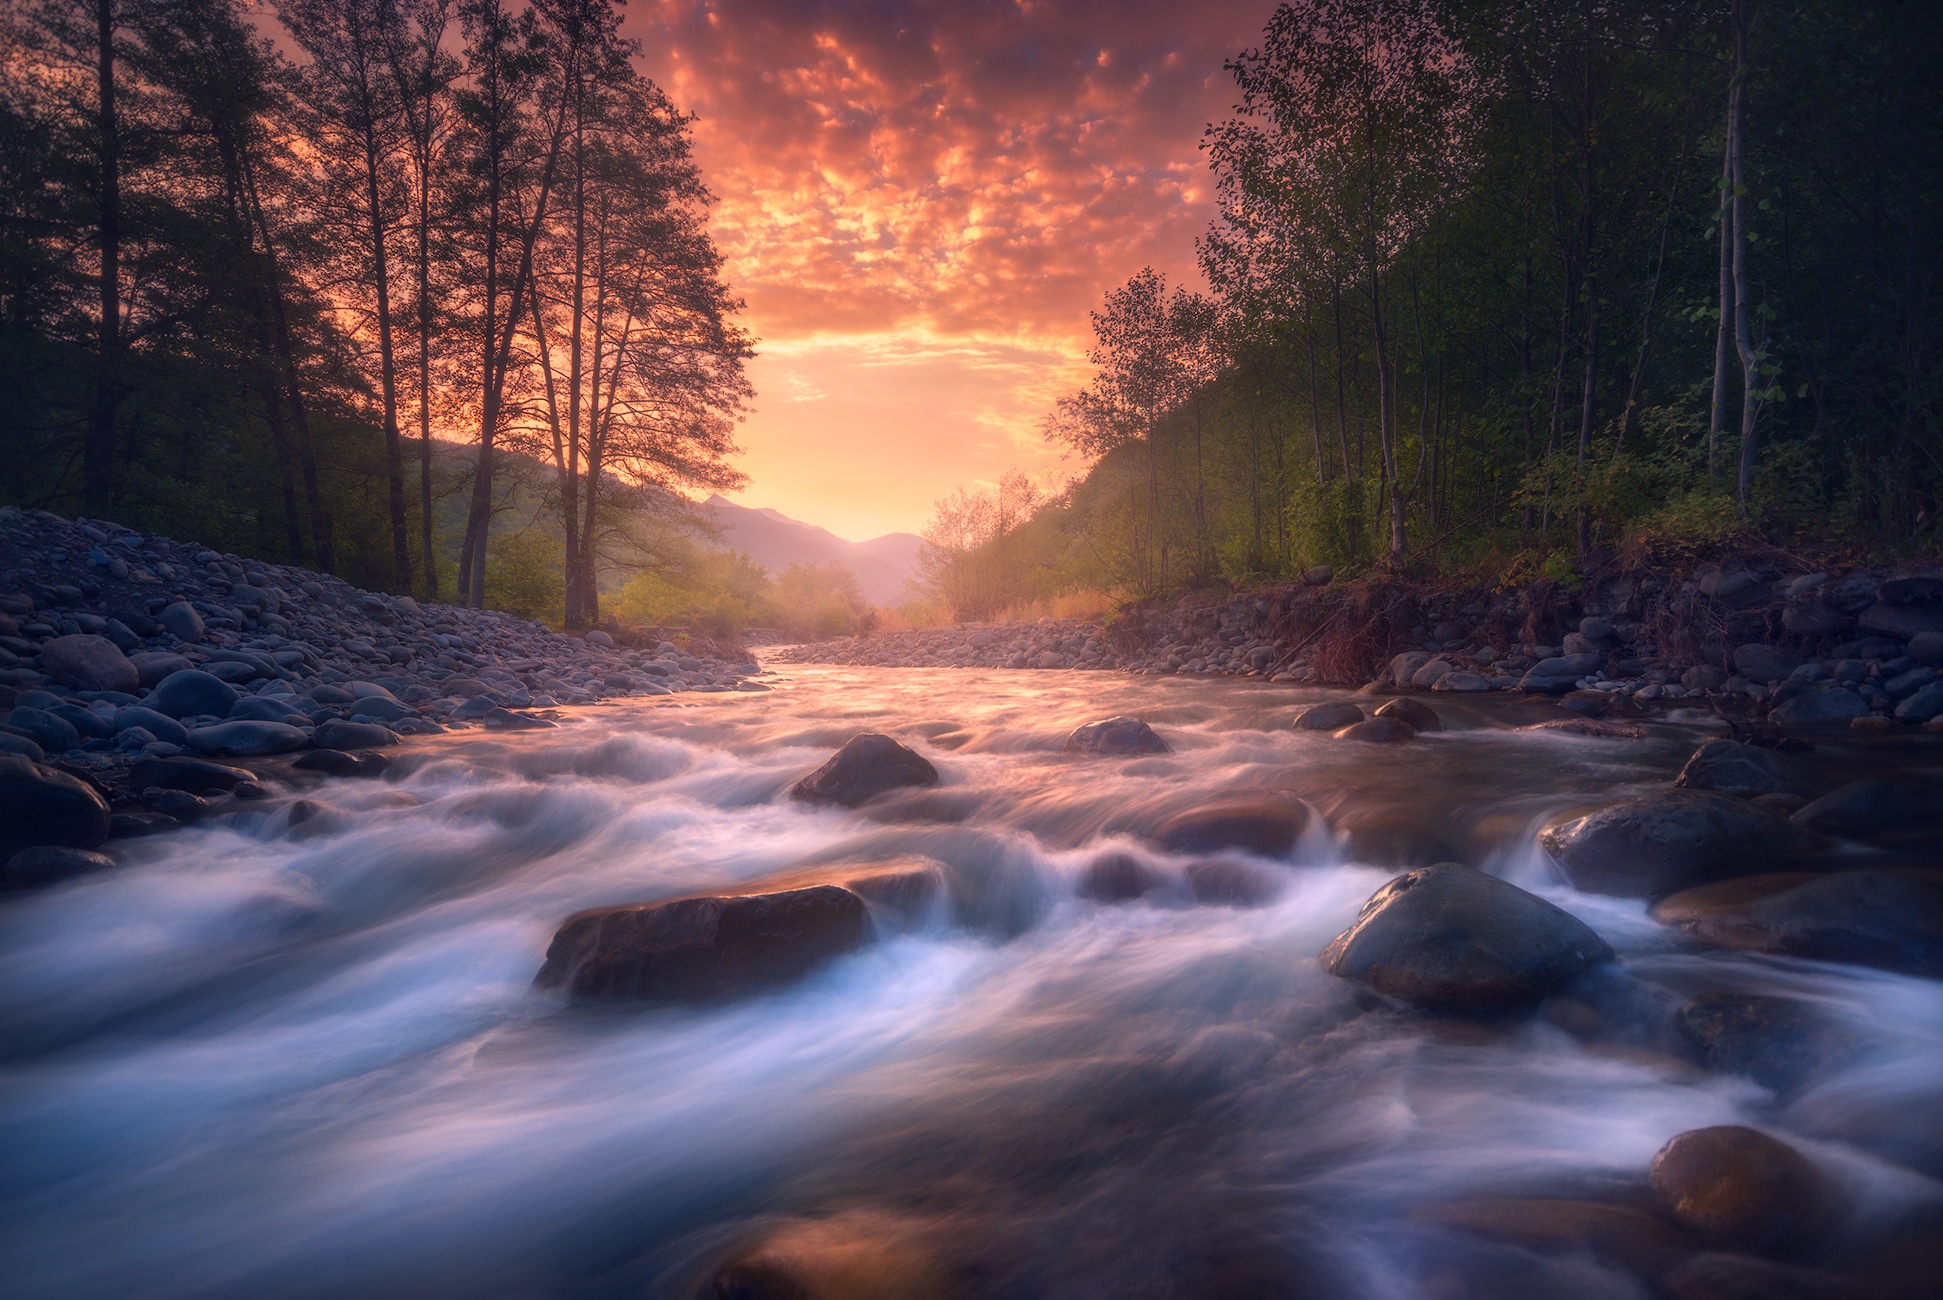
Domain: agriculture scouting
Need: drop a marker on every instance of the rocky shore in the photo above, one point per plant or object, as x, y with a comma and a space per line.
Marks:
1764, 637
131, 664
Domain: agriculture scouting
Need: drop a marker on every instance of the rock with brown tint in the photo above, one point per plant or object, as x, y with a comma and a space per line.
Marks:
1741, 1277
1730, 767
1114, 737
867, 765
855, 1256
1629, 1238
1893, 920
1330, 716
1379, 731
1650, 845
1224, 883
1264, 825
1774, 1041
1448, 936
1412, 713
1740, 1189
1604, 728
1118, 878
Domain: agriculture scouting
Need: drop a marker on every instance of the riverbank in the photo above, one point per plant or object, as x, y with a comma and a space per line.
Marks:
133, 666
1765, 638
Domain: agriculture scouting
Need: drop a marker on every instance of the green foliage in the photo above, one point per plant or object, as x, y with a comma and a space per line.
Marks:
526, 575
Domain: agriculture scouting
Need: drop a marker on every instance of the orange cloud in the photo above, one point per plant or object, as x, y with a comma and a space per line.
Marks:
921, 201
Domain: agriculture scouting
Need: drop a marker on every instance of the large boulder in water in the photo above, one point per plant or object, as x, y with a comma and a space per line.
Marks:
1379, 731
867, 765
1261, 824
855, 1256
1730, 767
1862, 808
1739, 1188
1331, 716
1872, 918
1415, 714
90, 663
1449, 936
1776, 1042
48, 864
39, 805
707, 947
1113, 737
1618, 1234
1653, 844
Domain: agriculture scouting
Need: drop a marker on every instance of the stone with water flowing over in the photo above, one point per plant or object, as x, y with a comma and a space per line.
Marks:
1331, 716
1617, 1234
1730, 767
1774, 1041
1379, 731
1863, 808
1651, 845
39, 805
708, 947
852, 1256
1414, 714
1737, 1187
1449, 936
866, 766
49, 864
1113, 737
1873, 918
1266, 825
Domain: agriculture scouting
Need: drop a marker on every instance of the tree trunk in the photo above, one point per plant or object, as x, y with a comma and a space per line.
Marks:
1724, 335
98, 459
1751, 354
401, 554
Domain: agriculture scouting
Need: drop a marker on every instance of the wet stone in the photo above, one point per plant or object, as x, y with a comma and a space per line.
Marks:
1738, 1188
195, 775
246, 739
1225, 883
1118, 878
1113, 737
41, 806
1331, 716
1412, 713
1777, 1042
1730, 767
1265, 825
193, 693
1449, 936
867, 765
1379, 731
1651, 845
1870, 918
48, 864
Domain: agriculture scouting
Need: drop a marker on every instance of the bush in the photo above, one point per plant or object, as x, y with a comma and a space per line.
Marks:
526, 576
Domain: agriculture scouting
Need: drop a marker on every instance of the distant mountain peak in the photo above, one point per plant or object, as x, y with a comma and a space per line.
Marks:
776, 541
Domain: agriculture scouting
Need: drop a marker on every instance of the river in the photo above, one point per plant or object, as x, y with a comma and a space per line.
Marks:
296, 1058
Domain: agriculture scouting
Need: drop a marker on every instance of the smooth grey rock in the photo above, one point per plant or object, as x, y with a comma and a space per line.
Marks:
1463, 683
1774, 1041
1118, 878
1730, 767
1926, 648
1652, 844
154, 665
866, 766
50, 731
1903, 622
1864, 807
337, 734
1431, 673
39, 805
1904, 685
1595, 628
1379, 731
1416, 714
1923, 705
507, 720
1404, 666
183, 622
1871, 918
193, 693
1452, 937
193, 775
1828, 704
90, 663
1332, 715
364, 690
1114, 736
1763, 663
21, 746
159, 725
49, 864
246, 739
263, 708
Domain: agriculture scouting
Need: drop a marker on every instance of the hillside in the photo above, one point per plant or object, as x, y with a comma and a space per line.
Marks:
776, 541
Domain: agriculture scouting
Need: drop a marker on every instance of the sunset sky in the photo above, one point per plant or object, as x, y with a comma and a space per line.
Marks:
920, 202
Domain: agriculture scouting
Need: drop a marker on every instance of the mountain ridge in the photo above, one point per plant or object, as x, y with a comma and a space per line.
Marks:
775, 540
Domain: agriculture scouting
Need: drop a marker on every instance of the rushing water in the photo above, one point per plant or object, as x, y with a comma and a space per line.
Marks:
277, 1059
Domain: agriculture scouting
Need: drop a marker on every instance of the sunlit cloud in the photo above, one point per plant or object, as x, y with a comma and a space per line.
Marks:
921, 201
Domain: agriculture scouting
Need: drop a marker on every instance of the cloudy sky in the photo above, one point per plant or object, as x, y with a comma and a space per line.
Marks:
920, 200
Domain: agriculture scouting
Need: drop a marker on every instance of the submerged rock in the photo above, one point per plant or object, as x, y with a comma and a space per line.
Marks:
1605, 728
1862, 808
1629, 1238
1331, 716
1226, 883
848, 1257
1730, 767
195, 775
1114, 737
1774, 1041
39, 805
1413, 713
1739, 1188
1118, 878
867, 765
48, 864
1379, 731
1263, 825
1450, 936
333, 762
1650, 845
1742, 1277
1871, 918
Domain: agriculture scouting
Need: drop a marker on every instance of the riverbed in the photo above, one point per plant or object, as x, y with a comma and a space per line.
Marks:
297, 1051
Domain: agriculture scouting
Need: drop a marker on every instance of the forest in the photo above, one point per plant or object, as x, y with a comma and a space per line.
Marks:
1518, 289
420, 292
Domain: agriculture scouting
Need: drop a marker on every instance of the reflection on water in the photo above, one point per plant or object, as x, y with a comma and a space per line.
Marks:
298, 1054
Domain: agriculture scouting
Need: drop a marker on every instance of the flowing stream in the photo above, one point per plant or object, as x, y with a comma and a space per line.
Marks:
296, 1052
